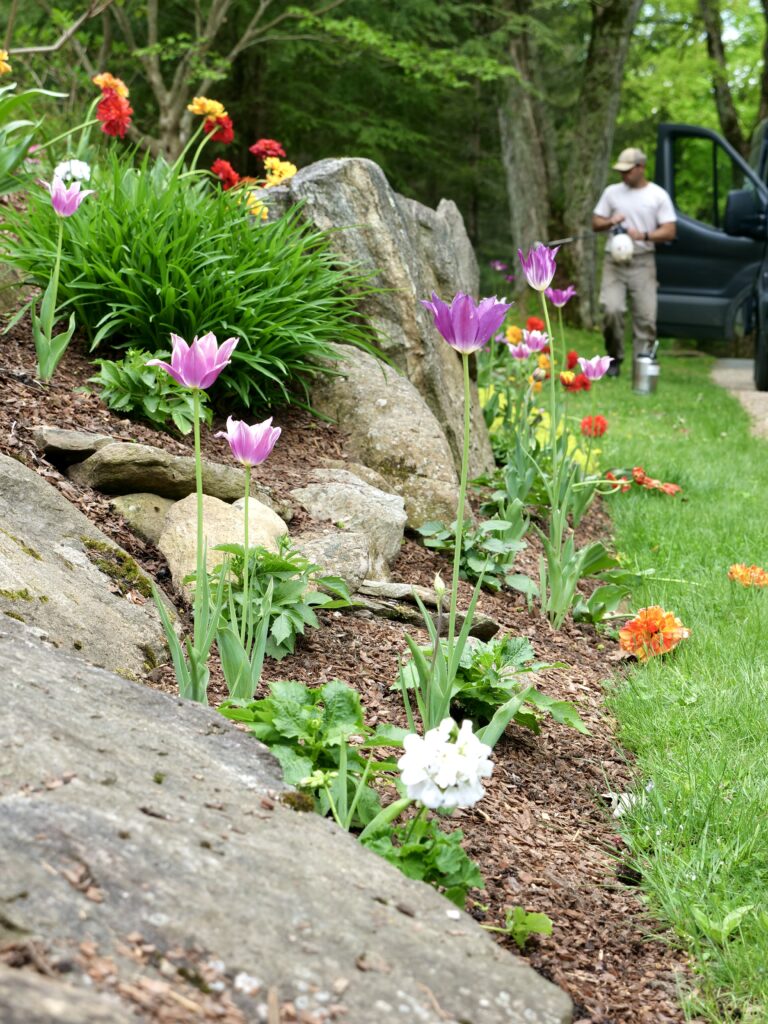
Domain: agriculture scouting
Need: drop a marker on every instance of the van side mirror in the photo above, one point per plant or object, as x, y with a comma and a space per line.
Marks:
744, 214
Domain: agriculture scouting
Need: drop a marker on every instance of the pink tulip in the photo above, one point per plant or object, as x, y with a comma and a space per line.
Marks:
594, 368
535, 341
199, 364
520, 351
467, 326
559, 296
66, 200
539, 266
250, 445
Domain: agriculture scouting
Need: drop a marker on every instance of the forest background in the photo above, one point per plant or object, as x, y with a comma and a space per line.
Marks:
513, 109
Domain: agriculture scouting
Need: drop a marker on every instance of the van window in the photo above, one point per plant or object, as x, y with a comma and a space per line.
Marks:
704, 175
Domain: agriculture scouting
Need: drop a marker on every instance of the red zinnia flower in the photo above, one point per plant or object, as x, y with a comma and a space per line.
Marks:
114, 112
571, 359
222, 126
266, 147
579, 383
224, 170
534, 324
594, 426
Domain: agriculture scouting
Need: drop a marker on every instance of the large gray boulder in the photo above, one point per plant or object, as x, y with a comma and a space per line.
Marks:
389, 427
339, 497
222, 524
62, 575
412, 250
147, 843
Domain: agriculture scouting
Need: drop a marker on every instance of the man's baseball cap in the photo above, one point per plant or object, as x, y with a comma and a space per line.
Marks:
629, 158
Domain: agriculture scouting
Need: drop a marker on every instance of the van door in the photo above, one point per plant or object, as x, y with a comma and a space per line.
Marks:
710, 277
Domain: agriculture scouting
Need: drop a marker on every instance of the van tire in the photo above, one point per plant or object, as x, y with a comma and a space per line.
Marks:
761, 359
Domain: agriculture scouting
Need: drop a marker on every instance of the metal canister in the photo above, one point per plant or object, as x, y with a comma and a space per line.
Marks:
645, 374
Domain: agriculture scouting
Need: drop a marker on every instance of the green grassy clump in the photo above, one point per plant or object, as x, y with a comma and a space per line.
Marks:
697, 719
155, 251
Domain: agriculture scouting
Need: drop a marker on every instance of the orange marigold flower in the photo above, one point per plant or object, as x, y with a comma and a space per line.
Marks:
543, 361
536, 385
513, 335
106, 81
748, 575
5, 67
652, 631
114, 112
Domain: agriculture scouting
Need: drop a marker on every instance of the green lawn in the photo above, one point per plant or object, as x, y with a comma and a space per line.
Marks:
697, 719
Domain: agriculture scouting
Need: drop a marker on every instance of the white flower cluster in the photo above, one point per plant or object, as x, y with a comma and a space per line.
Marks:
444, 767
72, 170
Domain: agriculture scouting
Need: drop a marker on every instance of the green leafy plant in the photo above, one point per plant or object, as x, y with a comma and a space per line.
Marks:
146, 392
519, 924
421, 850
295, 593
16, 135
489, 687
161, 253
489, 549
308, 731
720, 931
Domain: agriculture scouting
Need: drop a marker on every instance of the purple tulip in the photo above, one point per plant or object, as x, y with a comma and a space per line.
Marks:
539, 266
465, 325
594, 368
559, 296
520, 351
250, 445
498, 265
199, 364
535, 340
66, 200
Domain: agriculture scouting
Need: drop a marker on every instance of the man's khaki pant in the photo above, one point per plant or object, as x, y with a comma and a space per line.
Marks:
638, 277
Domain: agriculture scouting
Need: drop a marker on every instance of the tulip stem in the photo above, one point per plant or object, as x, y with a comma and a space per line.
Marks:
246, 556
66, 134
201, 560
460, 509
552, 402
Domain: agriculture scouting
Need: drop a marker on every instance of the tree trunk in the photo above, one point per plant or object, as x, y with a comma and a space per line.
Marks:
523, 127
590, 151
726, 110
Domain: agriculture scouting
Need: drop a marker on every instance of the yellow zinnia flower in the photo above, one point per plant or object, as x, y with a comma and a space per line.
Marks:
210, 109
278, 170
513, 335
5, 67
107, 81
543, 361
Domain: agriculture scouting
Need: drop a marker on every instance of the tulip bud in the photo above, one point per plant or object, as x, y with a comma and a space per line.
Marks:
439, 588
539, 374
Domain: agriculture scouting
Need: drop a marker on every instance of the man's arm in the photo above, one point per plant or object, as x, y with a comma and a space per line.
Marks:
663, 233
605, 223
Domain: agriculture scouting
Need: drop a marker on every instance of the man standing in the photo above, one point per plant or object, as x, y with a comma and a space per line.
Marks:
645, 212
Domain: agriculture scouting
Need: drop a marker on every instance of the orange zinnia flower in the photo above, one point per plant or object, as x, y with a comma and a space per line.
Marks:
106, 81
652, 631
748, 575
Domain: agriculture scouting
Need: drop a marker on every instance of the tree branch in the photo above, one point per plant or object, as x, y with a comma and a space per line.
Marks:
94, 8
726, 109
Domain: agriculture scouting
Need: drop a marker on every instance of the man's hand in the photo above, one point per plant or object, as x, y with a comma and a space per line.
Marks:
606, 223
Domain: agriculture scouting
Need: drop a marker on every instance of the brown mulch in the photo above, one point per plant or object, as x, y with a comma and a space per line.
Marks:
542, 836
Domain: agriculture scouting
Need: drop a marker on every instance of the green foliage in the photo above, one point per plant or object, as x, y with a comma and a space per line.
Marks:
294, 583
490, 677
308, 731
421, 850
520, 925
155, 252
128, 385
488, 550
16, 135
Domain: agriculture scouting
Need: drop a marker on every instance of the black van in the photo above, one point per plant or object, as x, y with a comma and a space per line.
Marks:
713, 279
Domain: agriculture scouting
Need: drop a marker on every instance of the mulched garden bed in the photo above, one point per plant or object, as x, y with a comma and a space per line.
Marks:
542, 836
